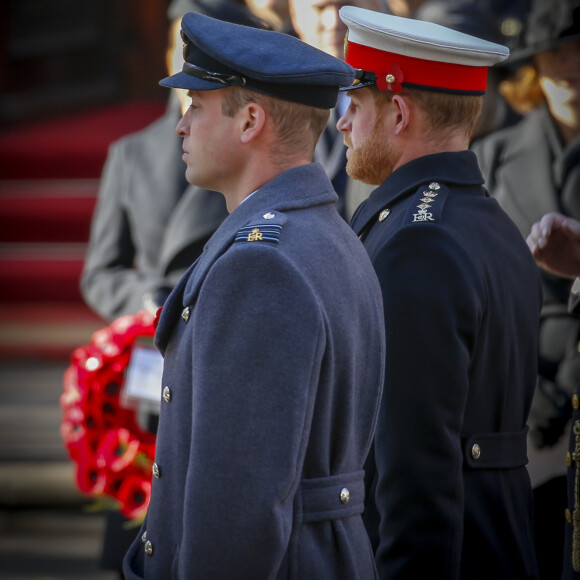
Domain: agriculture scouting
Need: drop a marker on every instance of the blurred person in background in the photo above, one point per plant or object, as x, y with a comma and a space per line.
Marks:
477, 18
555, 244
275, 12
149, 224
317, 23
532, 169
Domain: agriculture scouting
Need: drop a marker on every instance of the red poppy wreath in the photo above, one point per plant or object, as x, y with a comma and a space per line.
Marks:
112, 453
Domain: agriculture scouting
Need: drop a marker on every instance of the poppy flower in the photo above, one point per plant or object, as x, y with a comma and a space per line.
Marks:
134, 495
89, 478
117, 450
392, 80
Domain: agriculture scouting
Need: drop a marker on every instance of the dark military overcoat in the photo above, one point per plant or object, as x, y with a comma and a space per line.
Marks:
274, 351
453, 490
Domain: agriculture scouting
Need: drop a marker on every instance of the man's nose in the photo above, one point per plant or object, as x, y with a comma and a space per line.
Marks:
343, 123
183, 125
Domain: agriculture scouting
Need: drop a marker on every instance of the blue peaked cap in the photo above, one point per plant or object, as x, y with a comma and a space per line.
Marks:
219, 54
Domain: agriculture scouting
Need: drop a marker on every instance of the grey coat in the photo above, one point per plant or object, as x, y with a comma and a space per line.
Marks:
274, 347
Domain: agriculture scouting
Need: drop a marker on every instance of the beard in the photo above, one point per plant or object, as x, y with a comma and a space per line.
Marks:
373, 160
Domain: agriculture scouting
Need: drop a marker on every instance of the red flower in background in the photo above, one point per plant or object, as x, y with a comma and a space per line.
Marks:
134, 495
89, 478
112, 453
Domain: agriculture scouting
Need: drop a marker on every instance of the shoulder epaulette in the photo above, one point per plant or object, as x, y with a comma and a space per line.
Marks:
268, 230
427, 203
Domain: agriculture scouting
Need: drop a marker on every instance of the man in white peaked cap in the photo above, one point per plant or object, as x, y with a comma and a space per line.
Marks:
448, 492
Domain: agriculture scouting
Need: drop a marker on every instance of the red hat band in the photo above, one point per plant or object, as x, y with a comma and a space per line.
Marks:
393, 70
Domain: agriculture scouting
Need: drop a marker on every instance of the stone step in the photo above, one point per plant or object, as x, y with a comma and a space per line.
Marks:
52, 544
34, 466
44, 331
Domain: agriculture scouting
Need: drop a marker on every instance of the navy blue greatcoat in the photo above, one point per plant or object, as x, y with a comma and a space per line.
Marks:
274, 351
452, 488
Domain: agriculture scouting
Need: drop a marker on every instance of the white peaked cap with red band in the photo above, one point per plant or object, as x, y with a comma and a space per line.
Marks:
403, 52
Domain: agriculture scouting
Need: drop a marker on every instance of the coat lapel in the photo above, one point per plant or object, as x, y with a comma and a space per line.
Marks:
171, 312
197, 215
281, 194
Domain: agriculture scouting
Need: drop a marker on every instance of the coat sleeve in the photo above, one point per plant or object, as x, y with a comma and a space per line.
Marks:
258, 345
433, 307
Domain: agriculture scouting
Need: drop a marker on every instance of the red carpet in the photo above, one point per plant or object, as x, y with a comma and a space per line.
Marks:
46, 211
49, 178
74, 146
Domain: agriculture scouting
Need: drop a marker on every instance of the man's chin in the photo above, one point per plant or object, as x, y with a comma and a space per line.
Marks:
356, 173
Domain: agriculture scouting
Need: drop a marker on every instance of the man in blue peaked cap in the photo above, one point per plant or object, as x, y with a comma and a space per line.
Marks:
273, 341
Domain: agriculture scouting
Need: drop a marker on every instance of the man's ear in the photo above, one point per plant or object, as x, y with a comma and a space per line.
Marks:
252, 119
402, 112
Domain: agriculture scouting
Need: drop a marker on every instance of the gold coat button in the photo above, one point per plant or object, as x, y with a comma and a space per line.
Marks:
156, 471
166, 394
575, 401
185, 313
568, 459
344, 495
148, 548
568, 516
384, 215
476, 451
144, 536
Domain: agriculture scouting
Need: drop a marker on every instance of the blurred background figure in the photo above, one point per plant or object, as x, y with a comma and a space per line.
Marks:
149, 224
317, 23
555, 244
510, 14
533, 168
275, 12
478, 18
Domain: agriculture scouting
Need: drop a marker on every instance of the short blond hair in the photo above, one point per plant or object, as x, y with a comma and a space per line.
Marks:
443, 111
298, 126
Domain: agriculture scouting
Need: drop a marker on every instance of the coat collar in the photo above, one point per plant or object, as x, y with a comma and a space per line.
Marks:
457, 168
298, 188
